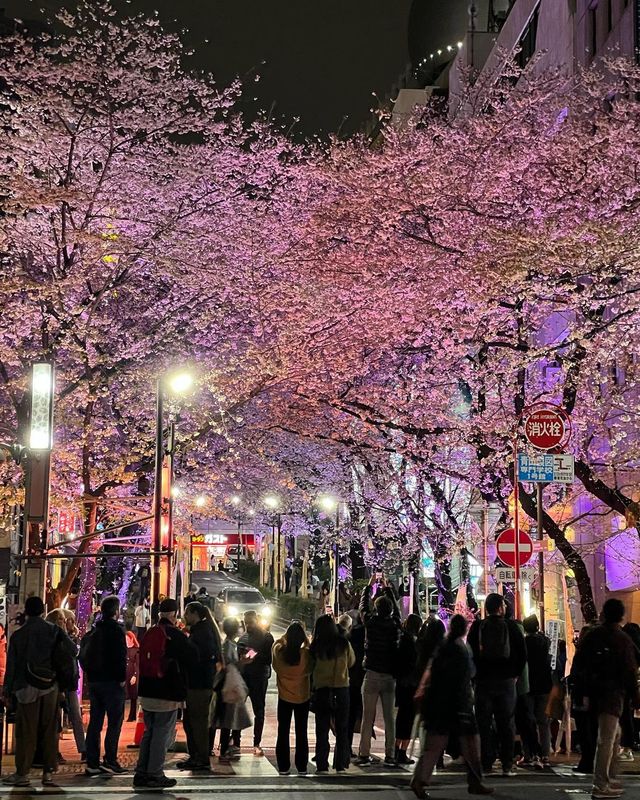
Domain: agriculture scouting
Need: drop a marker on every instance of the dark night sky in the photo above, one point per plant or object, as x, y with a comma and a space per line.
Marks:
323, 58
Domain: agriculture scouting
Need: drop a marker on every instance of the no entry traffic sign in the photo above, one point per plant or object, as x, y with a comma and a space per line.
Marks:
506, 547
546, 428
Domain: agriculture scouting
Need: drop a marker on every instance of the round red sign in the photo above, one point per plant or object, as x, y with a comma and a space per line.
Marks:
546, 428
506, 547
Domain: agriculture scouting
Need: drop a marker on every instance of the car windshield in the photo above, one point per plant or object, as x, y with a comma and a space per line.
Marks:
239, 596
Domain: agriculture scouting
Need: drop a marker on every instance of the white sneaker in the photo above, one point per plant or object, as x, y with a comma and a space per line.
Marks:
625, 755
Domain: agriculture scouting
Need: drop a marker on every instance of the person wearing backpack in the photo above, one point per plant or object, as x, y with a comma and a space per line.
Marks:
103, 657
37, 669
165, 660
606, 657
500, 655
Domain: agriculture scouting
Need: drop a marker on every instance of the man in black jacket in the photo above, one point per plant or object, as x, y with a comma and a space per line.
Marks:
30, 678
165, 660
256, 671
205, 639
382, 634
500, 656
539, 663
103, 656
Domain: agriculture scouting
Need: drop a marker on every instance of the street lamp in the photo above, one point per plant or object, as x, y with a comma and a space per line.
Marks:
330, 505
272, 503
235, 501
177, 382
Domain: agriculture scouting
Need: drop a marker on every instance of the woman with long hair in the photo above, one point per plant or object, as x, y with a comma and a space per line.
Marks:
291, 663
231, 718
204, 636
407, 680
448, 709
331, 658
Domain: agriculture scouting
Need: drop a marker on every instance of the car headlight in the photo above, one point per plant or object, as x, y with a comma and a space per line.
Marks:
266, 611
232, 611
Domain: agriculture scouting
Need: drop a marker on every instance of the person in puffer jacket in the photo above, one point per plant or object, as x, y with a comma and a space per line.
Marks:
382, 635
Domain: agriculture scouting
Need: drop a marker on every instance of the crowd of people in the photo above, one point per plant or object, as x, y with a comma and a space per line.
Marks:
484, 693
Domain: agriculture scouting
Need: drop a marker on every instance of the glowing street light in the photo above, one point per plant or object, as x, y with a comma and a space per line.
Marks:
271, 502
41, 433
235, 499
201, 501
328, 503
179, 382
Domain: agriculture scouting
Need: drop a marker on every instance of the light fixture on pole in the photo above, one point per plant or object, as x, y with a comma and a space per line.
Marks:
330, 505
272, 503
176, 382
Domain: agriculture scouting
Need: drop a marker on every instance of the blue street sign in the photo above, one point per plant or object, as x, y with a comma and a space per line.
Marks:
536, 469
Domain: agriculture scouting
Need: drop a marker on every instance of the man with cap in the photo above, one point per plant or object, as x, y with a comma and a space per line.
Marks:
165, 658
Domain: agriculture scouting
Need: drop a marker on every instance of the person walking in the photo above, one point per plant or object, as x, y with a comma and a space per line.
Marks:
538, 648
204, 636
133, 662
331, 658
382, 634
406, 684
103, 656
165, 659
256, 671
447, 703
38, 667
500, 656
292, 665
607, 658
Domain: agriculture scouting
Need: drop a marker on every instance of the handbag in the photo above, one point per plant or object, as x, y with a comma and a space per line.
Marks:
234, 689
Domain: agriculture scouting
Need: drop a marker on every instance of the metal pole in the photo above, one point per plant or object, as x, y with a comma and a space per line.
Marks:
277, 567
485, 536
539, 514
336, 566
239, 524
171, 445
157, 492
516, 527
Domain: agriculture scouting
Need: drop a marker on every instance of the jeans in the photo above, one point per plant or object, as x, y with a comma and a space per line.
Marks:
105, 697
526, 727
37, 723
257, 686
196, 724
496, 700
378, 684
340, 714
587, 733
605, 766
159, 732
434, 748
75, 718
300, 712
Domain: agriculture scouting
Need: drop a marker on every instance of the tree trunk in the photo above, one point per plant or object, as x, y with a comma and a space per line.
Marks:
570, 554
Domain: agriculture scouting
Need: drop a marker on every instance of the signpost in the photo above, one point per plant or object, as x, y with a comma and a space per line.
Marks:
546, 427
508, 575
546, 468
513, 555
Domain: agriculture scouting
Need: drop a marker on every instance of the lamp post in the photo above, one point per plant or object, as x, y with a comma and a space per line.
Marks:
331, 504
235, 501
177, 383
272, 503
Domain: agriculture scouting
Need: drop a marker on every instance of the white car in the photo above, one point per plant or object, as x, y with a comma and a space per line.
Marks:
233, 601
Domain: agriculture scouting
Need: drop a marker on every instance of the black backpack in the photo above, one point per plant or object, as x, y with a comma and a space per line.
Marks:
91, 654
493, 639
65, 663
